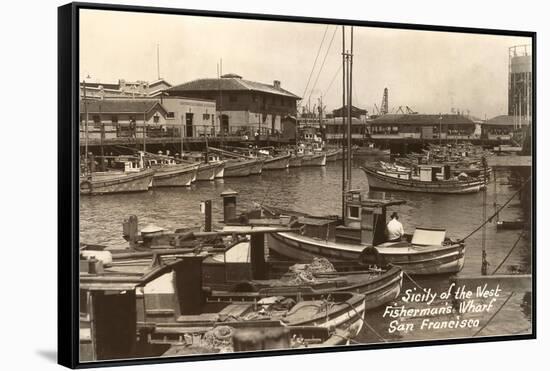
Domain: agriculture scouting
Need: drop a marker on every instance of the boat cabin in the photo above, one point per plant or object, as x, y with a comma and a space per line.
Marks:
365, 218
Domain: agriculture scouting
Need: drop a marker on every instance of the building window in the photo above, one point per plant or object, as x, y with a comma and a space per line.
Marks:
170, 115
353, 212
254, 98
232, 98
114, 120
206, 116
97, 121
156, 119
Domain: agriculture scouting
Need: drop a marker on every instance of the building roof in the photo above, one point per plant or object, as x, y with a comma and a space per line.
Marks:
505, 120
354, 110
123, 86
422, 119
231, 82
338, 121
121, 106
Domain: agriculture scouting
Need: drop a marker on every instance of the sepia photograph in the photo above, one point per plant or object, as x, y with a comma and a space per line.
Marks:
250, 185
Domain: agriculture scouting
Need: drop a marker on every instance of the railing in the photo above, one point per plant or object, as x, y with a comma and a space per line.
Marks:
114, 131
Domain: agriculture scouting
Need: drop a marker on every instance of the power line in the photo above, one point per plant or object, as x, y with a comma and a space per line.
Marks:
332, 80
315, 62
322, 64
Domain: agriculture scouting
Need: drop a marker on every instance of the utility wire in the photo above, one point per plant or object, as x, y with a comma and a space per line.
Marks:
322, 64
332, 80
315, 62
498, 211
509, 252
494, 314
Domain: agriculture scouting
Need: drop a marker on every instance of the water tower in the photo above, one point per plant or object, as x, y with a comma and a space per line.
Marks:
520, 84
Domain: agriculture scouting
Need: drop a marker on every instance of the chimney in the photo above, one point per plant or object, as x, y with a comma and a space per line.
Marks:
277, 84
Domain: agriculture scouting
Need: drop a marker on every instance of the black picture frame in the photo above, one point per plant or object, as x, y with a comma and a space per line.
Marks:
68, 187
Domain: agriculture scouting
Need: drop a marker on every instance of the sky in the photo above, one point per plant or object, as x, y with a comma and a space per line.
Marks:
431, 72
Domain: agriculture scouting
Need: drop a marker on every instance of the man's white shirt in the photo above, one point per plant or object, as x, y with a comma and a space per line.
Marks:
395, 229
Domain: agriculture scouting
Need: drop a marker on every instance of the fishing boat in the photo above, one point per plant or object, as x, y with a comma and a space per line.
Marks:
277, 162
257, 167
232, 270
175, 175
126, 175
238, 168
332, 155
204, 311
208, 169
431, 179
295, 161
238, 164
361, 238
314, 159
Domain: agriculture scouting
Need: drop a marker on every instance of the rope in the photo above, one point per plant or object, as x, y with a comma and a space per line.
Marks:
498, 211
363, 320
509, 252
315, 62
332, 80
375, 332
322, 64
494, 314
413, 281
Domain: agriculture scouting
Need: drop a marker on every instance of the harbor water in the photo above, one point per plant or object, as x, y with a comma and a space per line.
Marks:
317, 190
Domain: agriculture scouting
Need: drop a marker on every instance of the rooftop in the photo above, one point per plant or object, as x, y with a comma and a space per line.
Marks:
354, 110
231, 82
415, 119
338, 121
505, 120
120, 105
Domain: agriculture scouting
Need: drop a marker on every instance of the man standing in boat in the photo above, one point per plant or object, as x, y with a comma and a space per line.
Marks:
394, 229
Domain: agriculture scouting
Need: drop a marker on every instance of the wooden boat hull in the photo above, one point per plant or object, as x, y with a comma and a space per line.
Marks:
366, 151
378, 287
381, 181
346, 314
295, 161
208, 171
220, 171
314, 160
116, 183
332, 155
176, 177
413, 260
238, 168
277, 163
378, 291
257, 167
516, 224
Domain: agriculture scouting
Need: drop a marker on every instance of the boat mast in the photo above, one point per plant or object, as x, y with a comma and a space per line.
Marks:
85, 125
344, 152
144, 132
350, 83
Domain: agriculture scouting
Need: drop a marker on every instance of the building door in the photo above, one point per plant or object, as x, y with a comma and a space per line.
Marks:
224, 124
188, 124
272, 124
